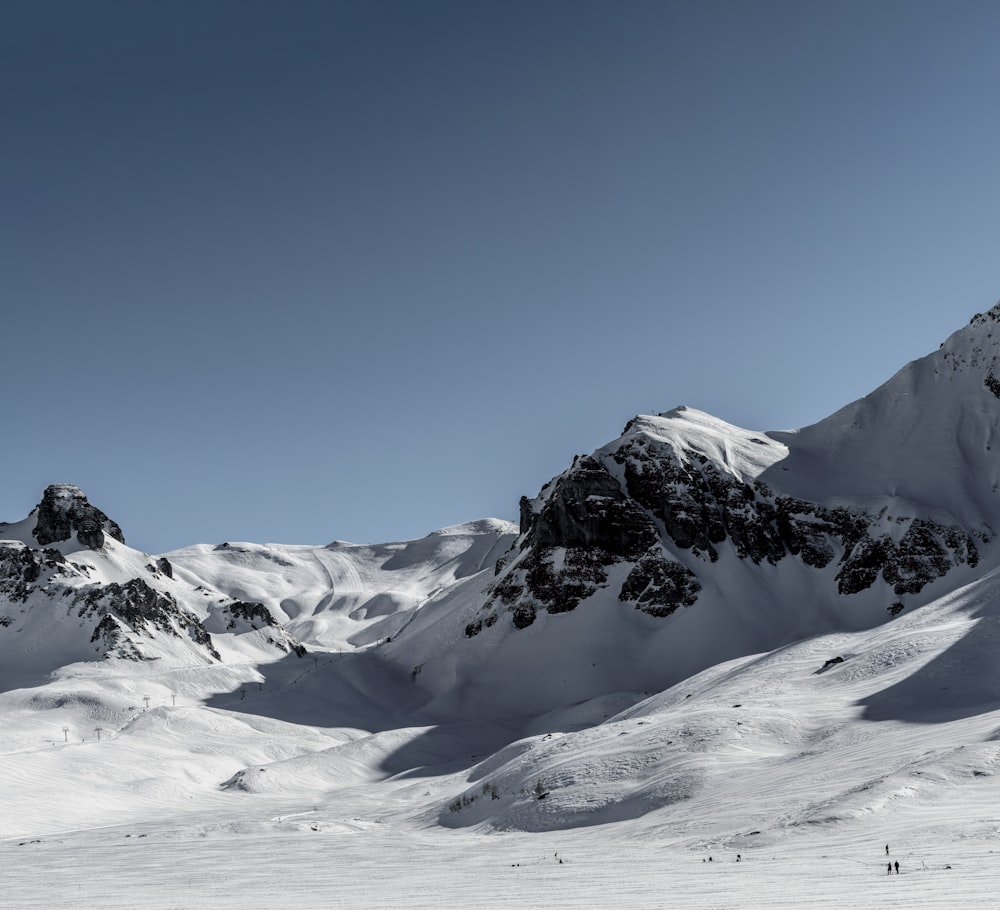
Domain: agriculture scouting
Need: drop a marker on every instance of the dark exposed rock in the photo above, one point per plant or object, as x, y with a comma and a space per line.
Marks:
700, 507
924, 553
246, 616
136, 608
583, 526
65, 511
587, 509
679, 494
526, 514
861, 566
508, 589
254, 614
21, 567
561, 588
659, 585
163, 564
523, 615
809, 531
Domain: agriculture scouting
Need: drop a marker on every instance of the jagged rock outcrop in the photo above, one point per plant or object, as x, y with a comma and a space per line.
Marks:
65, 511
700, 507
645, 500
135, 609
21, 567
583, 527
252, 616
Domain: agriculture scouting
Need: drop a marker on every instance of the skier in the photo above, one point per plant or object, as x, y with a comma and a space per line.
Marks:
897, 867
886, 849
888, 868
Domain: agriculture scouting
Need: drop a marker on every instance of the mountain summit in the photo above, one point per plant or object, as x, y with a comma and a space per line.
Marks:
64, 511
688, 540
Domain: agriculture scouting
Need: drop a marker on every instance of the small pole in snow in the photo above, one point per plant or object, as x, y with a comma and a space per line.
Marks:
145, 698
98, 730
173, 700
66, 734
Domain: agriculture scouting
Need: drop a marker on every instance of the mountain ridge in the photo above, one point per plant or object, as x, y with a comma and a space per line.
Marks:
686, 557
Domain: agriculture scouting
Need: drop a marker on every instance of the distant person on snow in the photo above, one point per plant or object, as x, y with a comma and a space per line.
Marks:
888, 868
897, 867
886, 849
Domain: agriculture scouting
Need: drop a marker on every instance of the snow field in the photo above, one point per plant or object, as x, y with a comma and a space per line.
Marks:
365, 865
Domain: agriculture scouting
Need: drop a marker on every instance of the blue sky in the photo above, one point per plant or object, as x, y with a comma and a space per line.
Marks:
298, 271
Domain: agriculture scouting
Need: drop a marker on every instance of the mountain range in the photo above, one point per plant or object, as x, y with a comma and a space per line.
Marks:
691, 612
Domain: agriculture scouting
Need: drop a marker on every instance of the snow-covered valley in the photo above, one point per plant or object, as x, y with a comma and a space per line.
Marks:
777, 650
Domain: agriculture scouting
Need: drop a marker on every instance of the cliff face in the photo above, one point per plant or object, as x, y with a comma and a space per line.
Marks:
64, 512
584, 527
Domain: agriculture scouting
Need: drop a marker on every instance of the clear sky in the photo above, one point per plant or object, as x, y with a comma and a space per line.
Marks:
293, 271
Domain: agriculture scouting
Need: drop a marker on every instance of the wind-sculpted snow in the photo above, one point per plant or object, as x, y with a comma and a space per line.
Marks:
345, 595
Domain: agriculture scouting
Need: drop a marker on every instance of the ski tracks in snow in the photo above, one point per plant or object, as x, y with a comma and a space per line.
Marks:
344, 577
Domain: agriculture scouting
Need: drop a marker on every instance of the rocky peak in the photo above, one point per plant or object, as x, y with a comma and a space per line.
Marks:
64, 512
651, 514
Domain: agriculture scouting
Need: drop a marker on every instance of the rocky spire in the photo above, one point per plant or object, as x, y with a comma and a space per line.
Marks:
64, 510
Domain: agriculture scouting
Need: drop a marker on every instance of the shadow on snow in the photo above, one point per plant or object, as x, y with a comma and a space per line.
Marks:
962, 681
360, 691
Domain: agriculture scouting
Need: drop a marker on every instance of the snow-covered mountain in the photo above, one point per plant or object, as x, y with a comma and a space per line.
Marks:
689, 611
688, 541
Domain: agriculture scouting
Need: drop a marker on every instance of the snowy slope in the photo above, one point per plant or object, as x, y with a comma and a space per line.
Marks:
925, 437
343, 594
804, 766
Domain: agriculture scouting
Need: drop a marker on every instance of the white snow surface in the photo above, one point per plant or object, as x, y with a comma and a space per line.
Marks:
606, 758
